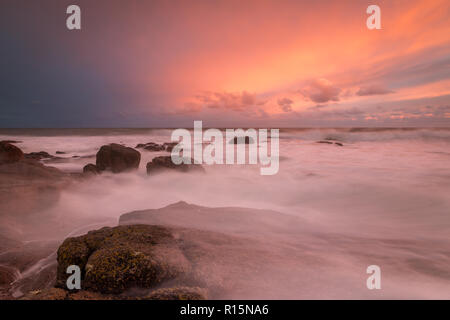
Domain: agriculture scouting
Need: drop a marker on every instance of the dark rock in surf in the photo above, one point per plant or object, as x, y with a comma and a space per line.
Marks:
329, 141
117, 158
39, 155
165, 163
169, 146
91, 169
60, 152
9, 153
151, 146
242, 140
154, 147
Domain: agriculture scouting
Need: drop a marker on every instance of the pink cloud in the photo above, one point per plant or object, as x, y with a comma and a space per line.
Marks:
321, 91
372, 90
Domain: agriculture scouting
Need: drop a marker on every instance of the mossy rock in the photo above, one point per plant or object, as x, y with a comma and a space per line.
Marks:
178, 293
113, 260
46, 294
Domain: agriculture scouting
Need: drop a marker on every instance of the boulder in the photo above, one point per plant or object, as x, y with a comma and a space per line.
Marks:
324, 141
165, 163
117, 158
9, 153
91, 169
39, 155
113, 260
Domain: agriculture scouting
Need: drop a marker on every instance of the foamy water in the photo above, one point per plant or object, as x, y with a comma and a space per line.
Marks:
382, 184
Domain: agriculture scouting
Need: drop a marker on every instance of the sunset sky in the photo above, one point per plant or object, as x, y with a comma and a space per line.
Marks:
229, 63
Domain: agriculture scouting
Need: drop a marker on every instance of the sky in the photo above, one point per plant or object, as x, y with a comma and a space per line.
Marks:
229, 63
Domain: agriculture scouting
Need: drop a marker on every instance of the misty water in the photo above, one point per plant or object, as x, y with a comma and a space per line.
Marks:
381, 198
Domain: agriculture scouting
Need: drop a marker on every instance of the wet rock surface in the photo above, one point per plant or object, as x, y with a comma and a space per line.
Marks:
163, 163
242, 140
39, 155
151, 146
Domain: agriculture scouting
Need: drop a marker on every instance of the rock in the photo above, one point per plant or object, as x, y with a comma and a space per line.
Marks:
328, 141
242, 140
113, 260
91, 169
60, 152
47, 294
233, 220
89, 295
9, 153
10, 141
117, 158
169, 146
30, 169
178, 293
165, 163
154, 147
7, 275
39, 155
151, 146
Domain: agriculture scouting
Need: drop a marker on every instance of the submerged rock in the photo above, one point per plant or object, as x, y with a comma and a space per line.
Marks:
151, 146
169, 146
91, 169
242, 140
9, 153
117, 158
39, 155
165, 163
328, 141
113, 260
